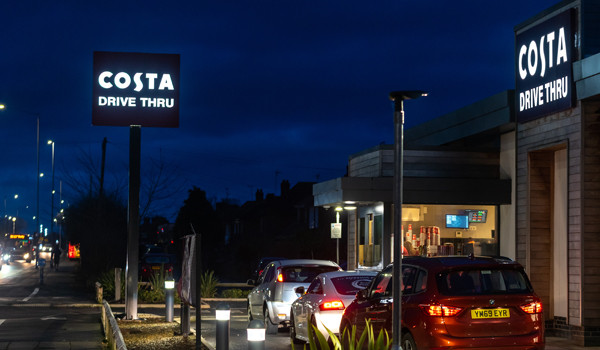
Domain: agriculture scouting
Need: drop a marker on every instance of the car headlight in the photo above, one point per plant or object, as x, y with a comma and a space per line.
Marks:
26, 256
6, 256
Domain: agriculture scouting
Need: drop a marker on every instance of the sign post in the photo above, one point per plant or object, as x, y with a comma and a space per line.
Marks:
135, 90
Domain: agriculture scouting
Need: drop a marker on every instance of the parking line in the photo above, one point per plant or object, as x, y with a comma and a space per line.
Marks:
35, 291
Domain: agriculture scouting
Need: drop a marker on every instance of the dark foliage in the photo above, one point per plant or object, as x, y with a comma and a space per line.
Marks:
99, 224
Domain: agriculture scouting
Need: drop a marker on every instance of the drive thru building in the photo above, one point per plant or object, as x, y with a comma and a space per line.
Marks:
516, 174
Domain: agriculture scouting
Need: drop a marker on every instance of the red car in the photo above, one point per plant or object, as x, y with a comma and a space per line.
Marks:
454, 303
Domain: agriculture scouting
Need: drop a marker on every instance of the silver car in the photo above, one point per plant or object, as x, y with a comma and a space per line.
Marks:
274, 293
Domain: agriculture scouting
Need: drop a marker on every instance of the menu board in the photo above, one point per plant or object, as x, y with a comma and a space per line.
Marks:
477, 216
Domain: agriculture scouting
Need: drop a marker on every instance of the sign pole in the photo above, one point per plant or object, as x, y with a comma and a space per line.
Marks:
133, 223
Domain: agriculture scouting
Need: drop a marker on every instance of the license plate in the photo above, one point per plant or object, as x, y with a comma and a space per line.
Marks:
490, 313
155, 267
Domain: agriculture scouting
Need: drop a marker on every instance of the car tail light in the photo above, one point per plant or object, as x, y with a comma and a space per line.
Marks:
440, 310
532, 308
332, 305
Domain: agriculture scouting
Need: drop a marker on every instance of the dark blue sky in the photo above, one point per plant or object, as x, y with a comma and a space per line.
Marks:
270, 90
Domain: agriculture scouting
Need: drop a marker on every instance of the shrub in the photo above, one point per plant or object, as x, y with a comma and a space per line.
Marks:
208, 287
349, 340
235, 293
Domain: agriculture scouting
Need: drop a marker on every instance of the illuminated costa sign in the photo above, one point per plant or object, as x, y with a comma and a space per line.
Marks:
544, 71
135, 89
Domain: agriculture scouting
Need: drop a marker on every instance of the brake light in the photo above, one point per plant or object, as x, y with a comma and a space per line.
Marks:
332, 305
280, 277
532, 308
440, 310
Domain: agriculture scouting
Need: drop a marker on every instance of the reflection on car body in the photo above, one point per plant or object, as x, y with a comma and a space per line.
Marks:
454, 302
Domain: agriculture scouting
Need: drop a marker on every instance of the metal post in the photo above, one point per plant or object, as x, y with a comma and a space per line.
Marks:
256, 335
337, 240
169, 299
398, 97
185, 319
52, 195
133, 225
222, 314
117, 283
37, 175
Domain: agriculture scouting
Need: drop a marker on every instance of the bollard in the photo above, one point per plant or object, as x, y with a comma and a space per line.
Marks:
222, 314
169, 299
256, 335
185, 319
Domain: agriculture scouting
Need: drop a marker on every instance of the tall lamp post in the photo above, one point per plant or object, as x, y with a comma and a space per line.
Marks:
398, 98
37, 206
50, 142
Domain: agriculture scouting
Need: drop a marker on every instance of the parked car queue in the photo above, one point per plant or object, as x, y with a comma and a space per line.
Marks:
447, 302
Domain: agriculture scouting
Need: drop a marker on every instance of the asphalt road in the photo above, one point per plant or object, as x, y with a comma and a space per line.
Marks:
54, 315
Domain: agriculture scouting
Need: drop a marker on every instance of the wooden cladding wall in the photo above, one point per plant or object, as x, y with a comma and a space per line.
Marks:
541, 165
550, 133
591, 212
435, 164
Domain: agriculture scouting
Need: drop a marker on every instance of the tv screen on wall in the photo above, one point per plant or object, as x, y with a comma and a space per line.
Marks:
457, 221
475, 215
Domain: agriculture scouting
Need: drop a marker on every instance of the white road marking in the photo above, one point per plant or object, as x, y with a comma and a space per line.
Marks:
35, 291
47, 318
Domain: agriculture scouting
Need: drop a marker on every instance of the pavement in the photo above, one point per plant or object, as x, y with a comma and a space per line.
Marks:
61, 291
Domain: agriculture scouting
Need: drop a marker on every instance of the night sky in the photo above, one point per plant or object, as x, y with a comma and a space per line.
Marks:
270, 90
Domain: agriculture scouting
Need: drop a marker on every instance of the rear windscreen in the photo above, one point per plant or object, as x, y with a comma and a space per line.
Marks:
350, 285
304, 274
483, 281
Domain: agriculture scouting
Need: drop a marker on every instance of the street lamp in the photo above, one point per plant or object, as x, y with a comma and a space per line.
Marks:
37, 209
398, 97
50, 142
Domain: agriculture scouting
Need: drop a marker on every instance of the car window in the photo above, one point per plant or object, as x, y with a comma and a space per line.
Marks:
315, 287
382, 284
157, 260
483, 281
350, 285
409, 277
303, 273
421, 281
268, 274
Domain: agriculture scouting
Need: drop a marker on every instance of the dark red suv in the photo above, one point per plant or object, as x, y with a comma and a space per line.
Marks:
455, 303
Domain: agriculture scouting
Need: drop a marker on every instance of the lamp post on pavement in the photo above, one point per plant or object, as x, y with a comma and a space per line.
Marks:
398, 97
50, 142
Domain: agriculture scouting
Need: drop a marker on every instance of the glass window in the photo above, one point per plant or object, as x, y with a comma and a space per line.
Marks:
315, 287
350, 285
304, 273
269, 273
483, 281
382, 284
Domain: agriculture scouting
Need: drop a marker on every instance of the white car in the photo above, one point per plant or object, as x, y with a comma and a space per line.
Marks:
274, 293
324, 302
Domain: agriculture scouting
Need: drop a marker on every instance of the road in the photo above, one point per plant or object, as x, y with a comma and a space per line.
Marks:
53, 315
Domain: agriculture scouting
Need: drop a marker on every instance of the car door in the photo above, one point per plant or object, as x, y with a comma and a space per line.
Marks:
380, 301
259, 293
313, 294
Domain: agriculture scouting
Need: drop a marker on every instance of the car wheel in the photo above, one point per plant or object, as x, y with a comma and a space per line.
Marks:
250, 318
293, 331
270, 326
408, 343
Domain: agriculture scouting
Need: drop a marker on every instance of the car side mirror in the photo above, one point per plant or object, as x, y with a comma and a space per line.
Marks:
251, 282
299, 290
